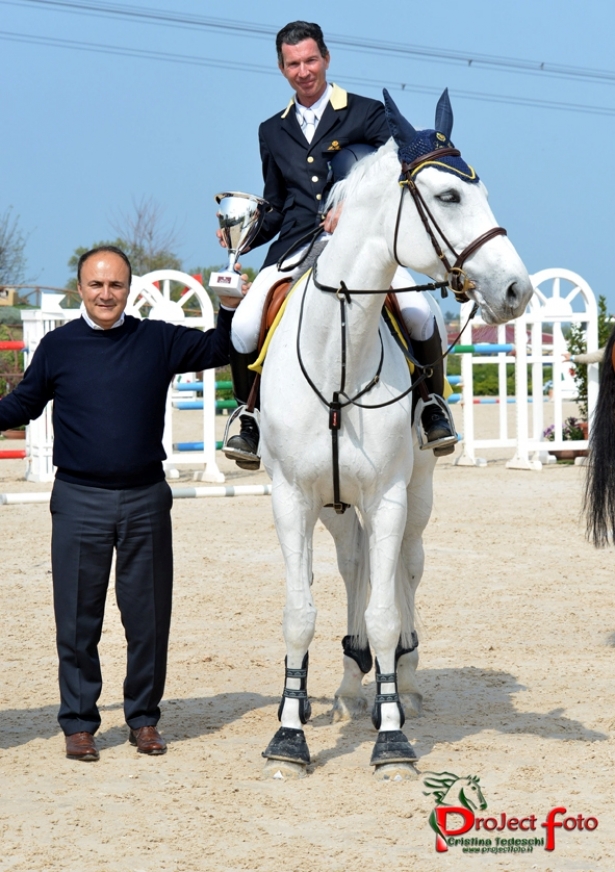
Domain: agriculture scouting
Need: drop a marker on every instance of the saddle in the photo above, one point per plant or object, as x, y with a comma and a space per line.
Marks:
273, 303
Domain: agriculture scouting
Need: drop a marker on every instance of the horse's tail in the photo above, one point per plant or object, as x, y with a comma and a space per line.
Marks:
599, 501
357, 605
405, 603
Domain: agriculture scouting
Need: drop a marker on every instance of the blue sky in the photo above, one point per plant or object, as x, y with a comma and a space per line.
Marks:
86, 133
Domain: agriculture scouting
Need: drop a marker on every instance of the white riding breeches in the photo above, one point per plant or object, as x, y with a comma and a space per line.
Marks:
415, 309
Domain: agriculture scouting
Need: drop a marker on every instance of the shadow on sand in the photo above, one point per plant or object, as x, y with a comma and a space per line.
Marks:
459, 703
181, 719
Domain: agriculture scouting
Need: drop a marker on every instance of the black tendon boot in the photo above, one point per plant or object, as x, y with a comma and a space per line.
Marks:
243, 448
436, 423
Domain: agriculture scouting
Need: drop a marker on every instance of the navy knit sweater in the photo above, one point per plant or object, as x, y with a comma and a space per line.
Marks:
109, 391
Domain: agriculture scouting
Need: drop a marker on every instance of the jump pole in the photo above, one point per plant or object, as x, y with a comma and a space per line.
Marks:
179, 493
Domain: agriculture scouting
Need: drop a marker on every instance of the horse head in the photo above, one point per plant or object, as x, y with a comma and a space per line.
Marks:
470, 795
467, 246
466, 790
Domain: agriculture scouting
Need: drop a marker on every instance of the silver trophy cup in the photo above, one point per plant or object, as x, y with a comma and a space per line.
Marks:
240, 216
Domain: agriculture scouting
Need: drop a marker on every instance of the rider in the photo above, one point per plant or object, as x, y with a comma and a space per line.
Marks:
296, 149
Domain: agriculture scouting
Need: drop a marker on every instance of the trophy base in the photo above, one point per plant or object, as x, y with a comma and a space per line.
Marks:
226, 284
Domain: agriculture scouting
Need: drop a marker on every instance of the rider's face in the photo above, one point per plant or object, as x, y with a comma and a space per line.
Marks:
305, 69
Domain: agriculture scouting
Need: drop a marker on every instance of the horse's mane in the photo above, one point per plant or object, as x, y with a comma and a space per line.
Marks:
599, 502
440, 784
345, 188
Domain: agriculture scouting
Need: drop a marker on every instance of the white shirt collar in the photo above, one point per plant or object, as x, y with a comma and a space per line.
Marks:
317, 108
94, 326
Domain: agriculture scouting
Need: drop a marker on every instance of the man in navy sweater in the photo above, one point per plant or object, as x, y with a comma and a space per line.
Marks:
108, 375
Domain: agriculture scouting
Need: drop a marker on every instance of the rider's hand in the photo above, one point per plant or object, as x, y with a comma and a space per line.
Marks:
230, 302
332, 217
233, 302
247, 284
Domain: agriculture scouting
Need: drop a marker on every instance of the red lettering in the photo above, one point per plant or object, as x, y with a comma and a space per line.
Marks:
594, 822
503, 821
478, 823
513, 824
573, 823
490, 823
531, 823
550, 825
441, 813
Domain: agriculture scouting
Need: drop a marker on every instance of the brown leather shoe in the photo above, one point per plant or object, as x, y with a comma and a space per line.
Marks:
81, 746
147, 740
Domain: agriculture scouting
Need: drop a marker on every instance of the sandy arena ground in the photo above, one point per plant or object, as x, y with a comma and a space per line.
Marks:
517, 633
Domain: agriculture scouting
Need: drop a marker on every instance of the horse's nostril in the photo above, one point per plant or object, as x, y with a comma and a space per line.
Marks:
512, 296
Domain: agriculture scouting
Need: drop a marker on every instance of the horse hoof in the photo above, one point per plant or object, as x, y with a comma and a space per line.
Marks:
349, 708
396, 772
282, 770
412, 703
392, 746
288, 745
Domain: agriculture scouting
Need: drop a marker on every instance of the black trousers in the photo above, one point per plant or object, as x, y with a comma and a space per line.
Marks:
88, 524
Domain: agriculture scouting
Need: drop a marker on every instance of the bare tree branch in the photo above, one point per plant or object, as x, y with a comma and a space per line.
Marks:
12, 248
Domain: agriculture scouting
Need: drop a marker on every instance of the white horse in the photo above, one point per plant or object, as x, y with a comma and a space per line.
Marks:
315, 379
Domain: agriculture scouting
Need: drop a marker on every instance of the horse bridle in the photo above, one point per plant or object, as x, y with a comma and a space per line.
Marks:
458, 280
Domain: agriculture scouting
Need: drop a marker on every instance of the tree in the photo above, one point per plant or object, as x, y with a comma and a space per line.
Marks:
12, 247
144, 239
577, 344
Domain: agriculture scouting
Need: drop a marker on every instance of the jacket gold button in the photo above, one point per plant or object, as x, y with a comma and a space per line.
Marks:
319, 196
314, 178
310, 159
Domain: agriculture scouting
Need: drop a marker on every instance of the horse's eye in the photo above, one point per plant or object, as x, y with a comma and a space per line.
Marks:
449, 197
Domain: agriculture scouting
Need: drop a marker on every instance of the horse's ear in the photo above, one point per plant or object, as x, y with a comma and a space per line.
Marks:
444, 115
401, 130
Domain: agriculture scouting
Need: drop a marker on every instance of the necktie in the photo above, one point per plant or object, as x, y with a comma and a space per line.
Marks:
309, 124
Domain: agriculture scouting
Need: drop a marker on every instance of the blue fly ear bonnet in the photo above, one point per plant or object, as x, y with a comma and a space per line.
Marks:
413, 144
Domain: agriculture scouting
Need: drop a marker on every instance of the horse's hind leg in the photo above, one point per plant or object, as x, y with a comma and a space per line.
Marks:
294, 520
353, 564
412, 564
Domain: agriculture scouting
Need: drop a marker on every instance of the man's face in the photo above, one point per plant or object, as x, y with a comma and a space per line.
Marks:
104, 288
306, 70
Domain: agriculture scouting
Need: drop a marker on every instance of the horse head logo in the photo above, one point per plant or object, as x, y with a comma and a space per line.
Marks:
451, 790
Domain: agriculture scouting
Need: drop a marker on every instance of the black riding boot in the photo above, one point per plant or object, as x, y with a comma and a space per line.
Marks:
243, 447
435, 421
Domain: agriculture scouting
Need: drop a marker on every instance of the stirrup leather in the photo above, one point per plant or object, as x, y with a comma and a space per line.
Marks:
424, 443
242, 410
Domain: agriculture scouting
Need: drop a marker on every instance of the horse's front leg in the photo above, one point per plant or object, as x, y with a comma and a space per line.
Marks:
294, 520
386, 523
412, 564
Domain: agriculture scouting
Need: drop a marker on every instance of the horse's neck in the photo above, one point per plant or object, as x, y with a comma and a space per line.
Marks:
361, 262
357, 255
362, 316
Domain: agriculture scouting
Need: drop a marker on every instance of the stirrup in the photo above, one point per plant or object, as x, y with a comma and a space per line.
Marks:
446, 441
237, 455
